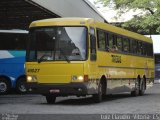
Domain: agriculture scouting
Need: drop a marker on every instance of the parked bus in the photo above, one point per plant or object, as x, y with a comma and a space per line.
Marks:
12, 59
81, 56
157, 68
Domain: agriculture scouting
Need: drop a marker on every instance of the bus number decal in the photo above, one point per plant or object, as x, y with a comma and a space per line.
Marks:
116, 58
33, 70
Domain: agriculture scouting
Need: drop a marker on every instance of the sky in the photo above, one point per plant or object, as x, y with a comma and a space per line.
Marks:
109, 16
156, 43
109, 13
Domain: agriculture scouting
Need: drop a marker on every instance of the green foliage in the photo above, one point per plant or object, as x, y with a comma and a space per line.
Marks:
146, 21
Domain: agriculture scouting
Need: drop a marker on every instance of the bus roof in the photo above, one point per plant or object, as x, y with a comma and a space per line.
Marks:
122, 32
61, 21
85, 22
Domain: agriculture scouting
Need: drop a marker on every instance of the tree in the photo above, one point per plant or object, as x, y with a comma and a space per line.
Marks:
146, 21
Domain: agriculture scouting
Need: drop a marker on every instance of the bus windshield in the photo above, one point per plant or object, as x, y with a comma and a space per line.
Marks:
57, 44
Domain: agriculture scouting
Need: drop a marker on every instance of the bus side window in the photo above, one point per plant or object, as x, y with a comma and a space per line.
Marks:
133, 44
101, 40
110, 38
107, 41
143, 49
126, 45
112, 43
139, 48
150, 50
119, 43
12, 41
93, 45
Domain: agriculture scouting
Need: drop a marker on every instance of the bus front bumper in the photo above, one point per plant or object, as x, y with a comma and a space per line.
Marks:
78, 89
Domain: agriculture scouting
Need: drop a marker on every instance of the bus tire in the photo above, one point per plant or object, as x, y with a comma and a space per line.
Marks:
98, 97
142, 87
51, 99
5, 86
21, 86
104, 86
137, 87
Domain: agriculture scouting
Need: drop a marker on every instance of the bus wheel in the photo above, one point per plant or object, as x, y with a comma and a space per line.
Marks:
142, 87
21, 86
98, 97
4, 86
50, 99
137, 87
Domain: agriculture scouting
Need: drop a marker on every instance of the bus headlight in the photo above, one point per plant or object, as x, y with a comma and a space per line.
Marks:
80, 78
76, 78
31, 78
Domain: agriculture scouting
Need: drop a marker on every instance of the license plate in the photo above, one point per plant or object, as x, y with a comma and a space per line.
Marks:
54, 91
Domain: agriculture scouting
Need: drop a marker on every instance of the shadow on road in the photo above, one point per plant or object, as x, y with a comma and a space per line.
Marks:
89, 100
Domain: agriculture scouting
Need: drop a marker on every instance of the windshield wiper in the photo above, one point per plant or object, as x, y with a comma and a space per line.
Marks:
41, 59
66, 58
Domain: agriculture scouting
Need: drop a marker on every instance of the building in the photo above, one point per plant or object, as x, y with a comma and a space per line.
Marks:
156, 48
156, 41
18, 14
157, 68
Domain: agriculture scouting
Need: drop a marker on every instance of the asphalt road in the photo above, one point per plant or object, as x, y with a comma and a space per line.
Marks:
120, 103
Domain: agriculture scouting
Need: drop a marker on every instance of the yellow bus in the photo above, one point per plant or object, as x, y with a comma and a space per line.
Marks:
81, 56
